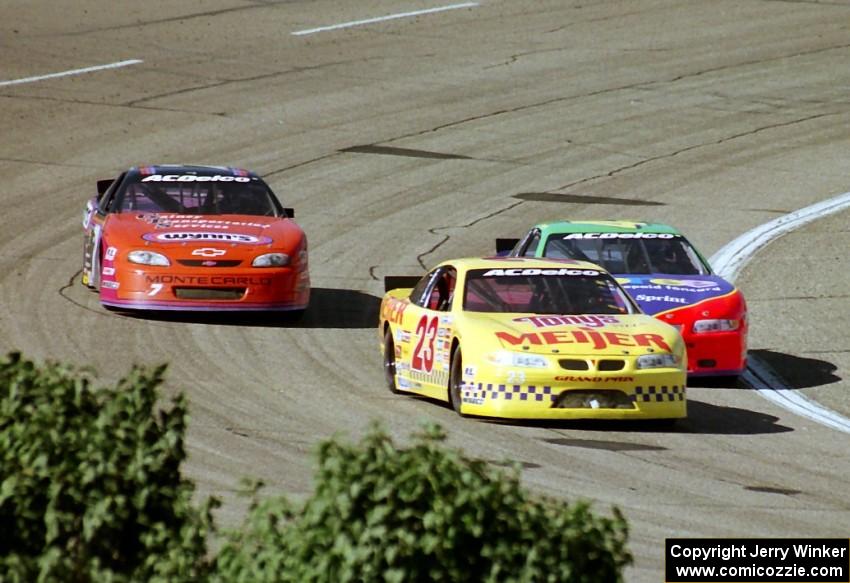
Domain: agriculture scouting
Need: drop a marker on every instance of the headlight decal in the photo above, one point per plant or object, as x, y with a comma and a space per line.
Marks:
657, 360
271, 260
715, 325
145, 257
518, 359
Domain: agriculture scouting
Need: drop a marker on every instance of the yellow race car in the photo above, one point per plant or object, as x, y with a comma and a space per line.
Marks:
530, 338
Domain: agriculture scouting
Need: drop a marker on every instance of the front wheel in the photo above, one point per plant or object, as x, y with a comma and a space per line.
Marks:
389, 362
456, 382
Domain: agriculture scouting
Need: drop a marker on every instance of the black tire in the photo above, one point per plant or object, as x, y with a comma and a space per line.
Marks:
389, 362
456, 381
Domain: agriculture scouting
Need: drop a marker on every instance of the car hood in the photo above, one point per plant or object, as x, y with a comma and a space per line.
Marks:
575, 335
657, 293
173, 231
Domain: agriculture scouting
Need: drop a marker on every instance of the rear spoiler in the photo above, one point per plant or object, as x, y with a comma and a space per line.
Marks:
505, 246
102, 185
392, 282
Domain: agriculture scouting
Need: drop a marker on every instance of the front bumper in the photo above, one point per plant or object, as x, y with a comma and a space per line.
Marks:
716, 353
655, 394
246, 289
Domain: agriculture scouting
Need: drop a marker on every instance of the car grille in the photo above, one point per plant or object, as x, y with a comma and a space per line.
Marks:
209, 293
606, 365
603, 365
209, 262
573, 364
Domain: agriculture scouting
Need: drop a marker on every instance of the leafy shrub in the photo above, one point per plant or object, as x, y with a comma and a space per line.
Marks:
90, 485
425, 513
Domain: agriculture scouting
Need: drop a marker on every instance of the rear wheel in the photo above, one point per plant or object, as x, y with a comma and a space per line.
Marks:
389, 362
456, 381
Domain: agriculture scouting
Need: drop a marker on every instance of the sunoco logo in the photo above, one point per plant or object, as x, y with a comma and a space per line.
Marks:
190, 236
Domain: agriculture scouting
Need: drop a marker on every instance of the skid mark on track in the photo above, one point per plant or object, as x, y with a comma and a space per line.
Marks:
120, 105
63, 293
773, 490
603, 444
512, 463
637, 85
693, 147
435, 231
406, 152
583, 199
192, 16
223, 82
300, 164
43, 163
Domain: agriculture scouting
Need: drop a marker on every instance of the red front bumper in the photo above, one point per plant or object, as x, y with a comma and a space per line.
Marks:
158, 288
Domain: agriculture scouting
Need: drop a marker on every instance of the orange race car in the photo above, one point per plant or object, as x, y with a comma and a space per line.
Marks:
193, 238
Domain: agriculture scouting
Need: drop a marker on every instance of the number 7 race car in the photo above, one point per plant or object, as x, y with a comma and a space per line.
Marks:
193, 238
667, 277
532, 339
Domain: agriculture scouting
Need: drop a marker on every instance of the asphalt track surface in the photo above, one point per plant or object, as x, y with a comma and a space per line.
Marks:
407, 141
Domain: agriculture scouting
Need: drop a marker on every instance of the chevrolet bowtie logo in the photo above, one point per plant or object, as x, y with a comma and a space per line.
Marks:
209, 252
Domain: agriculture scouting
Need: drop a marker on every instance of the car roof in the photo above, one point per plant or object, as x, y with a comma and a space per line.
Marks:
467, 263
191, 169
607, 227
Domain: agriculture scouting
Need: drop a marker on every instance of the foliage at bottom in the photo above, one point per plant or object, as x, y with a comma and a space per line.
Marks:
421, 513
90, 484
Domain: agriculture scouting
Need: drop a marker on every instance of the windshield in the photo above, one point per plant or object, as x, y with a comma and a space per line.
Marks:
544, 291
198, 195
629, 253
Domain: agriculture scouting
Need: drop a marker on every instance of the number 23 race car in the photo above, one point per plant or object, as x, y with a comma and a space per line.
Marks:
193, 238
530, 338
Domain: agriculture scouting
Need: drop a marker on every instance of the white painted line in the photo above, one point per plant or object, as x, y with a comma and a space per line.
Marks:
384, 18
731, 259
770, 385
71, 72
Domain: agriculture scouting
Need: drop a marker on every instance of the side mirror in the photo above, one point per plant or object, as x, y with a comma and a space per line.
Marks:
103, 185
290, 212
505, 246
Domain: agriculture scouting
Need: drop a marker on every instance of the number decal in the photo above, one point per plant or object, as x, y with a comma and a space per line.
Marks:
155, 287
423, 354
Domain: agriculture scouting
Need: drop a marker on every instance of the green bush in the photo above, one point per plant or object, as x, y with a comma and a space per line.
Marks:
90, 485
424, 513
91, 491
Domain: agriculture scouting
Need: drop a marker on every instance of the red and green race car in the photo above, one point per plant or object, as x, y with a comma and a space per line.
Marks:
666, 276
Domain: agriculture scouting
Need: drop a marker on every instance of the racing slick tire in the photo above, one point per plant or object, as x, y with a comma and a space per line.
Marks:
456, 381
389, 362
